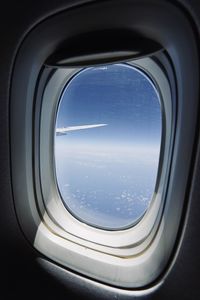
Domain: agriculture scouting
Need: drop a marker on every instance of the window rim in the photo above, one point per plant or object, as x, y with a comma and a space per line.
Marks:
134, 222
109, 240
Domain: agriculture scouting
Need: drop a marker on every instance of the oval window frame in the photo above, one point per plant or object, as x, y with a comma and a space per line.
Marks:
62, 101
109, 241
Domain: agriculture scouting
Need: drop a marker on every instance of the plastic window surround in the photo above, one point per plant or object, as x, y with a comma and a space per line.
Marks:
39, 227
124, 243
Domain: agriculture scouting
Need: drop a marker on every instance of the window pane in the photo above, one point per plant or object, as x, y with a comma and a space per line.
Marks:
107, 145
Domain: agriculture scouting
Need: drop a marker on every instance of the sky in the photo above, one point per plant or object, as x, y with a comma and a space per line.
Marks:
107, 175
117, 95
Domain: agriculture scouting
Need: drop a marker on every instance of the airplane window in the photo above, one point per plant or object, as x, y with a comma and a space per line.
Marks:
107, 145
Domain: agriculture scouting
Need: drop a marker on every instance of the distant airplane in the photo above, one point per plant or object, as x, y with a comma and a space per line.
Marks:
64, 130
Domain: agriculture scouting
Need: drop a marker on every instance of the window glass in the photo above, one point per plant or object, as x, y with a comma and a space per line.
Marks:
107, 145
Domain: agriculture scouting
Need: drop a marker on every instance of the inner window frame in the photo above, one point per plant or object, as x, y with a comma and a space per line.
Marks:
136, 238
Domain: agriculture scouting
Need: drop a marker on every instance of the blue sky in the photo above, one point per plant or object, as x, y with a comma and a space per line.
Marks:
117, 95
